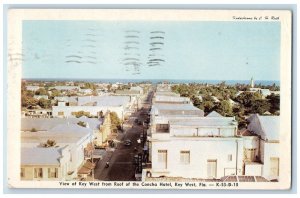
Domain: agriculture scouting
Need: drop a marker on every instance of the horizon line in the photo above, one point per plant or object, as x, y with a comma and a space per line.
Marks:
75, 78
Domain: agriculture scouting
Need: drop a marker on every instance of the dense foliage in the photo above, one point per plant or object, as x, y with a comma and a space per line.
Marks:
230, 100
115, 121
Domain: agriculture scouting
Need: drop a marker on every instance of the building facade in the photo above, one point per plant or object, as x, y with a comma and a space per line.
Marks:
55, 151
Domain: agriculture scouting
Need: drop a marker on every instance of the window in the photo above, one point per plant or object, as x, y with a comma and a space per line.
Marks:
38, 173
250, 154
162, 159
230, 158
274, 166
52, 172
162, 127
211, 168
184, 157
22, 172
61, 113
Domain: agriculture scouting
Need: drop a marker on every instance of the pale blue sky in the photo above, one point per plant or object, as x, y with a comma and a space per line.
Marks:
191, 50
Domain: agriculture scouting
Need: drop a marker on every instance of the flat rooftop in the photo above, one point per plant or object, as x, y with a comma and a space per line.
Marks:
161, 106
204, 121
40, 156
103, 100
44, 124
62, 133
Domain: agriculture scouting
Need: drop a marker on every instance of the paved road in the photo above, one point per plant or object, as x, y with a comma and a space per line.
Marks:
121, 166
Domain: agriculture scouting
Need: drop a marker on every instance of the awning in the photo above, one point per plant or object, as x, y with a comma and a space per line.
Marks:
87, 167
89, 164
89, 147
84, 171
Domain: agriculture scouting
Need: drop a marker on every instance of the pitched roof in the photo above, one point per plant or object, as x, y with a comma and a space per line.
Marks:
270, 126
265, 126
215, 99
214, 114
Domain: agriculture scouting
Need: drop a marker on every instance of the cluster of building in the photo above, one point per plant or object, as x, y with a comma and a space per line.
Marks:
185, 144
59, 143
263, 92
120, 101
56, 148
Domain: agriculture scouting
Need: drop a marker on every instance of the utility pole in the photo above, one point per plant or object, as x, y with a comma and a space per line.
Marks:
137, 103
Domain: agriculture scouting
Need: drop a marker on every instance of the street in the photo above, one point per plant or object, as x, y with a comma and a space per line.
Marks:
121, 158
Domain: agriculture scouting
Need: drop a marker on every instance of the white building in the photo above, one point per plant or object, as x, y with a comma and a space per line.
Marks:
185, 144
40, 97
32, 88
161, 114
263, 92
70, 100
66, 88
161, 98
86, 91
94, 105
201, 147
62, 160
181, 137
137, 88
266, 148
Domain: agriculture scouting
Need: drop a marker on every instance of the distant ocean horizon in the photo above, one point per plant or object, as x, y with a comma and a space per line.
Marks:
155, 81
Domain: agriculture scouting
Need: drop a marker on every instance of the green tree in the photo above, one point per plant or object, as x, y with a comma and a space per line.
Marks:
79, 114
247, 98
274, 101
242, 122
260, 106
89, 85
196, 101
224, 108
41, 91
101, 114
44, 103
28, 101
27, 96
115, 121
238, 110
51, 142
33, 130
208, 106
109, 87
55, 93
81, 123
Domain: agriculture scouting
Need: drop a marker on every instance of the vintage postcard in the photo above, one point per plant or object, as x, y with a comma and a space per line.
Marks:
149, 99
